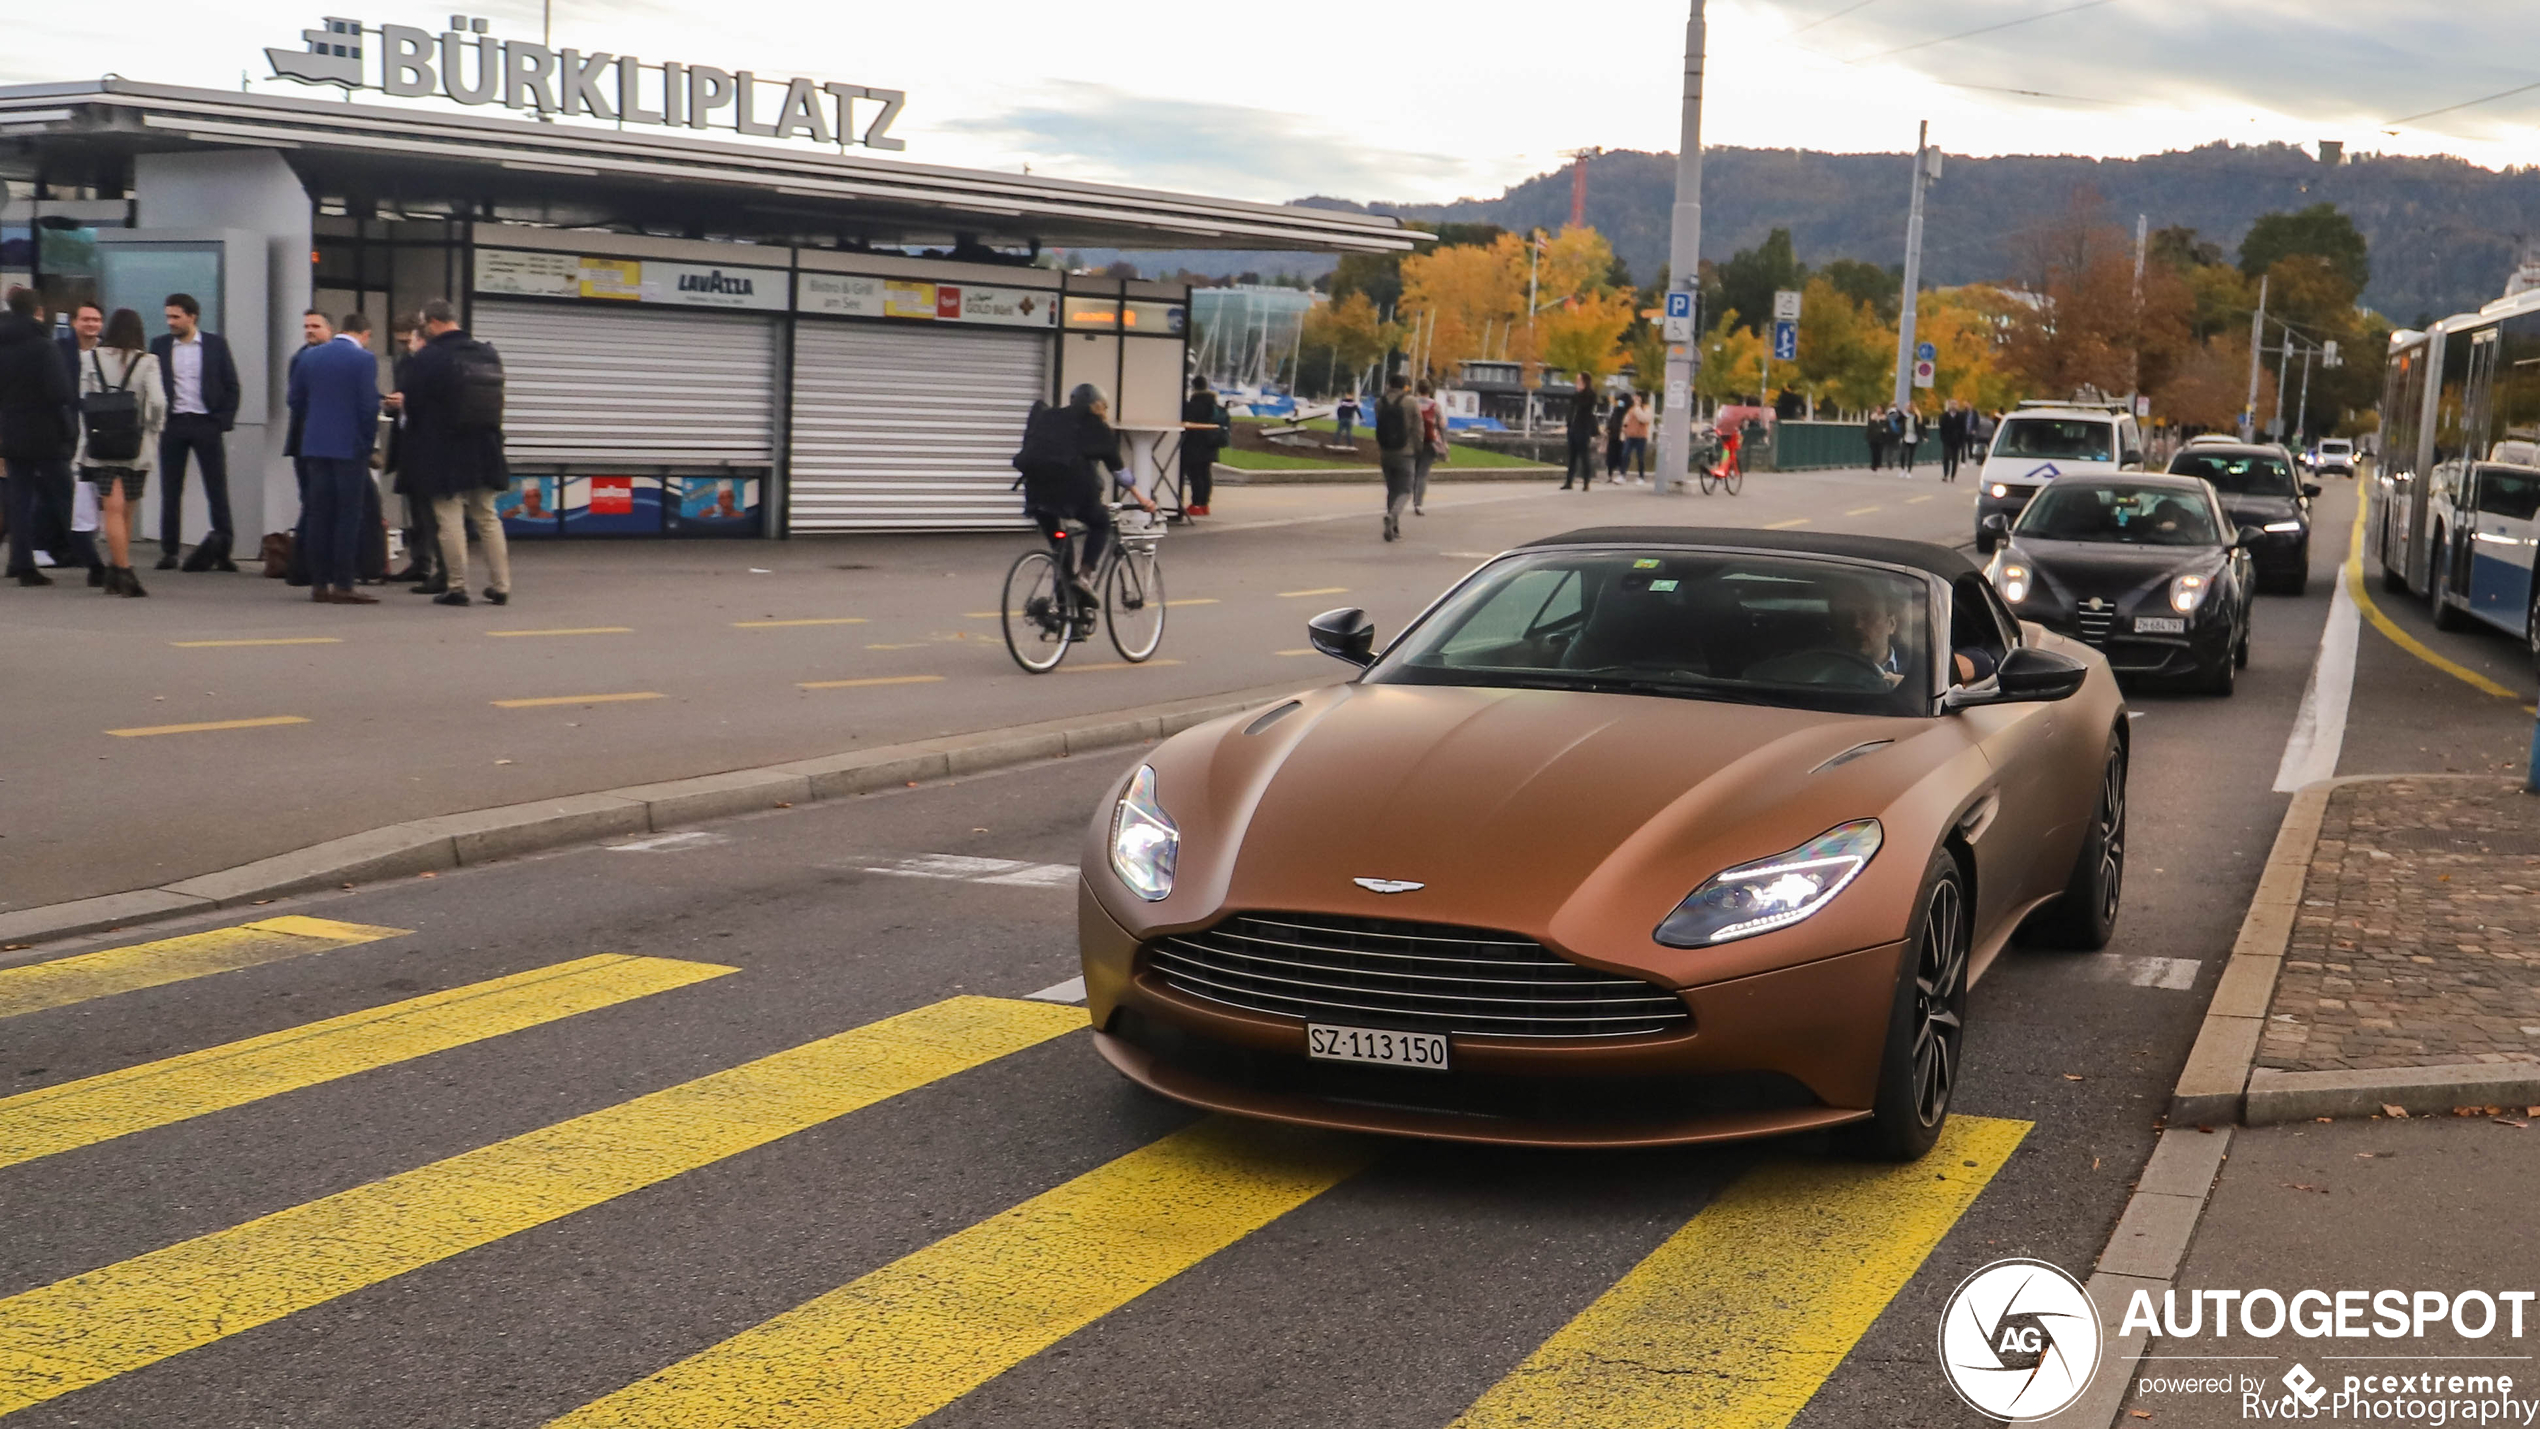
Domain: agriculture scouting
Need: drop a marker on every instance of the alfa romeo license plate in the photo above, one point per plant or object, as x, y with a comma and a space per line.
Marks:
2161, 624
1425, 1050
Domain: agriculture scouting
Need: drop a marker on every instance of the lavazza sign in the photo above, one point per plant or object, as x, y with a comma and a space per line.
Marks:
469, 65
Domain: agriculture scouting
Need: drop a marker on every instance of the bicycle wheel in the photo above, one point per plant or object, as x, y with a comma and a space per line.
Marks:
1708, 480
1034, 617
1734, 479
1133, 604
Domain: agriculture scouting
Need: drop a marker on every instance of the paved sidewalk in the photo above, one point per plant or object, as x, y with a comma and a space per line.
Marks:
2418, 941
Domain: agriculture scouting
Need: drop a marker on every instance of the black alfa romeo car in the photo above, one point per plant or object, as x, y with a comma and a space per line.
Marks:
2148, 568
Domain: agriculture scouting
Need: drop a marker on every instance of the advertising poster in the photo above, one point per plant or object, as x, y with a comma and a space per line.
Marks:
849, 295
512, 273
612, 506
529, 508
714, 505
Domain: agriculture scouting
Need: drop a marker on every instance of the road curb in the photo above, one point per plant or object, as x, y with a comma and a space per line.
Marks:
462, 840
2212, 1084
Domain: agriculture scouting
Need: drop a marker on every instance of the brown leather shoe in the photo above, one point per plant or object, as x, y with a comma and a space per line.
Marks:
352, 597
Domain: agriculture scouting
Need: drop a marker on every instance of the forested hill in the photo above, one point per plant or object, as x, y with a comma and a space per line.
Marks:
2444, 233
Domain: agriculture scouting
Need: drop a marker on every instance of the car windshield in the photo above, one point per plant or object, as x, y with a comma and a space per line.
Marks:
2237, 472
2065, 438
2336, 448
1794, 631
2119, 512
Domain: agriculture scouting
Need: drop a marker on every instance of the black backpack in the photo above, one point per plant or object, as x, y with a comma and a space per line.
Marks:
1392, 430
112, 418
477, 403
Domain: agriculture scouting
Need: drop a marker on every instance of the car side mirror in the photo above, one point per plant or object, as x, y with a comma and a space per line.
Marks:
2130, 458
2247, 538
2310, 488
1345, 634
1997, 523
2028, 675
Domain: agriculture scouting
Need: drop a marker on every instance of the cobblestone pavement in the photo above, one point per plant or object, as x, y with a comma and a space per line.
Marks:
2418, 942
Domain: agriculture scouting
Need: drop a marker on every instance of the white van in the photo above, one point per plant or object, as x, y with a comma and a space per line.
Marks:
2039, 441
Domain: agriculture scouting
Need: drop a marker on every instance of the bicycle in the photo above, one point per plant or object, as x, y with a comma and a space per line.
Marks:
1718, 466
1044, 611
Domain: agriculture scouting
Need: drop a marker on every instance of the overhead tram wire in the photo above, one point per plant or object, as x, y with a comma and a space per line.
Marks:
1830, 19
2391, 126
1979, 30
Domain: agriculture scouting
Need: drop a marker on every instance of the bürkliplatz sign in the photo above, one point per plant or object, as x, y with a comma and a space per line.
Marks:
466, 63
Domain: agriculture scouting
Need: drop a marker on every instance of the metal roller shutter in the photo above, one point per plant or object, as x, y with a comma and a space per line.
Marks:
632, 385
910, 427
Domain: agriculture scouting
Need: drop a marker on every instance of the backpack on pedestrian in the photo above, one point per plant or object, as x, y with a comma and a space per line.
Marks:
1393, 433
478, 403
111, 417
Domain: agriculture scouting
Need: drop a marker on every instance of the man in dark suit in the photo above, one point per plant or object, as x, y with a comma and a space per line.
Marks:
37, 438
335, 408
201, 385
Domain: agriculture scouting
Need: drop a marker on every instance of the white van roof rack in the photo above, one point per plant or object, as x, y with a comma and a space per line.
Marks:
2119, 407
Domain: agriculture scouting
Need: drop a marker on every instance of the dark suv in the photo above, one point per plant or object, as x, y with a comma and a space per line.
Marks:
2258, 490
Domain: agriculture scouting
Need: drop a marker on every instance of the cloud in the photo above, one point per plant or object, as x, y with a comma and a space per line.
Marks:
1093, 131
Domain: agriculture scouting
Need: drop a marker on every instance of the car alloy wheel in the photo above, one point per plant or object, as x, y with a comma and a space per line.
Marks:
1940, 976
2110, 837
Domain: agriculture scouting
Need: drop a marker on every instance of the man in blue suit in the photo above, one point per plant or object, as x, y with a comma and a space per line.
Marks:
335, 404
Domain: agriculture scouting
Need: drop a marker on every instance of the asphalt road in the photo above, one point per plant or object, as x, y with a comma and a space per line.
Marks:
315, 1255
699, 652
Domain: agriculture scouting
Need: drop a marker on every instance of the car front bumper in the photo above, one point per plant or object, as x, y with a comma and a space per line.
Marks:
2206, 642
1785, 1051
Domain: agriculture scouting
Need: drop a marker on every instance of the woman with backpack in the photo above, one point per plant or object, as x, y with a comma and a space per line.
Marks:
121, 409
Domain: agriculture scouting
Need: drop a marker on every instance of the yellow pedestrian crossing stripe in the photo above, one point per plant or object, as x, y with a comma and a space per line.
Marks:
1736, 1320
59, 983
122, 1317
100, 1108
896, 1345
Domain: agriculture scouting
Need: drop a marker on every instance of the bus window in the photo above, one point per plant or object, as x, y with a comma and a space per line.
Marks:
2507, 493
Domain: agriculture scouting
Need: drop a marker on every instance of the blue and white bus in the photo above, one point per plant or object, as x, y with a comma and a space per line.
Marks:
2451, 509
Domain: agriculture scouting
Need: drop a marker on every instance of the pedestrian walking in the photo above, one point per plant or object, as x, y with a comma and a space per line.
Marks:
200, 382
334, 399
37, 436
1953, 438
1582, 430
1345, 416
1909, 436
1399, 435
122, 409
1874, 431
1614, 411
422, 528
1432, 445
1202, 425
451, 400
1636, 426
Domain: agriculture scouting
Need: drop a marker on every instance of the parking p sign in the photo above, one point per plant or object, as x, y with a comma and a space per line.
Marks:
1679, 324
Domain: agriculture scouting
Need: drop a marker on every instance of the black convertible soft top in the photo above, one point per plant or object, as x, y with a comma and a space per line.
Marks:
1939, 560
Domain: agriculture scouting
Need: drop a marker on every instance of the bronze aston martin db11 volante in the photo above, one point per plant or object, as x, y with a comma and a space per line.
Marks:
1635, 836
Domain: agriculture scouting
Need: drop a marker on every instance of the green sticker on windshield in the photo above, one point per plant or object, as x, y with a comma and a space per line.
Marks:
1645, 563
1655, 586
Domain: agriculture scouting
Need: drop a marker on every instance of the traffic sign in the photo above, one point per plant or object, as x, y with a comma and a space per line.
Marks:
1785, 306
1680, 304
1678, 326
1785, 341
1922, 372
1925, 352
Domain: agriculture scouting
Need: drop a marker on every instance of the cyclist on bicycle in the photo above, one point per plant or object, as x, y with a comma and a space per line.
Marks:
1061, 447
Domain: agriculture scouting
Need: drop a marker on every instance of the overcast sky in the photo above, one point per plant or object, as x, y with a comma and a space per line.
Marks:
1433, 102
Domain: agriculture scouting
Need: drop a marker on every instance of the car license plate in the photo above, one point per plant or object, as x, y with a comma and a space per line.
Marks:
1425, 1050
2161, 624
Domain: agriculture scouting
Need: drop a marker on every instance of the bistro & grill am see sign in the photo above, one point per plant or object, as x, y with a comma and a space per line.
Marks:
467, 64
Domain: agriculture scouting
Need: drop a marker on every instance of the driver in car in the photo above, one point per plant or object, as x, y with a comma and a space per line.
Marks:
1867, 627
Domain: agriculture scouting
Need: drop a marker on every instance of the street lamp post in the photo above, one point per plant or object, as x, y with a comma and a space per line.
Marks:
1924, 171
1684, 258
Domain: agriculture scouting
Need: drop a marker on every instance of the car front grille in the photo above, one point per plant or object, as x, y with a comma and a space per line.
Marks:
2095, 622
1424, 977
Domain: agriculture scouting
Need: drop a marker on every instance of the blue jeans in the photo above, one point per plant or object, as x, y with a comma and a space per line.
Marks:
331, 515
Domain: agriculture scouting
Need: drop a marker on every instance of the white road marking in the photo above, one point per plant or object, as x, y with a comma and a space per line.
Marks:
961, 868
1072, 990
2175, 974
672, 843
2319, 730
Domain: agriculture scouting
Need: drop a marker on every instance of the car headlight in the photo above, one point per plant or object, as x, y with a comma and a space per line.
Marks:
1772, 892
2187, 593
1144, 841
1999, 490
2281, 528
2013, 583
